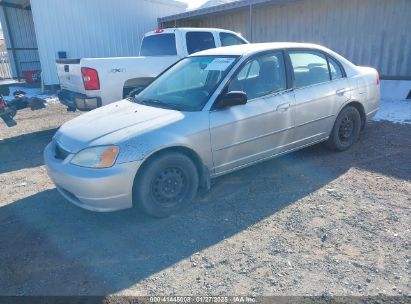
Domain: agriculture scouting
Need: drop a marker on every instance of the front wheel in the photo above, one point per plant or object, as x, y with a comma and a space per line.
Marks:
346, 129
166, 184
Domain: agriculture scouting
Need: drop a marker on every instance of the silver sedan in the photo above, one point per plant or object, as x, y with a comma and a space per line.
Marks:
214, 112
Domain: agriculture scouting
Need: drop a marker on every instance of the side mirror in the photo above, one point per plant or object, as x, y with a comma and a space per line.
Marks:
230, 99
134, 92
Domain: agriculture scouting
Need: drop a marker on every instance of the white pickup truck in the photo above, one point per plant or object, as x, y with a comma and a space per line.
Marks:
88, 83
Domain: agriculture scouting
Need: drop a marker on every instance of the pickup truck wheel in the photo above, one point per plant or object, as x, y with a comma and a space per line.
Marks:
166, 184
346, 129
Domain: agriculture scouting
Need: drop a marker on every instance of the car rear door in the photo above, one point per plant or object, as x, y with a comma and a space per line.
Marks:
317, 96
243, 134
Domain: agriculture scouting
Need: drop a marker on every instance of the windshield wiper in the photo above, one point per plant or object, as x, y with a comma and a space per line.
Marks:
168, 105
156, 101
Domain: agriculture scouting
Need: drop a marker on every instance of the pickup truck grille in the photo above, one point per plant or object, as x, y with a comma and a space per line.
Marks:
61, 153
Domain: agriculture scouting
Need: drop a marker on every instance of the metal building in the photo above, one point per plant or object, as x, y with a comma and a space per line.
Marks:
367, 32
37, 32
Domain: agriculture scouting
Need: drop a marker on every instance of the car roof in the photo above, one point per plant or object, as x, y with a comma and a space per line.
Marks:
248, 49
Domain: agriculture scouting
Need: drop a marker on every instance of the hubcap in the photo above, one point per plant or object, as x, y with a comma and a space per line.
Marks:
346, 128
169, 186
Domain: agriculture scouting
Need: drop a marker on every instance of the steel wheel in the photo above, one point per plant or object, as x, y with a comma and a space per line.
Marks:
169, 187
346, 129
166, 183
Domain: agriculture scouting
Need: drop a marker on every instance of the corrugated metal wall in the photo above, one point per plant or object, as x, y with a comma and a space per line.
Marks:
21, 32
368, 32
93, 28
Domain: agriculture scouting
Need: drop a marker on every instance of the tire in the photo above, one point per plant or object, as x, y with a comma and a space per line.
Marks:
346, 129
167, 183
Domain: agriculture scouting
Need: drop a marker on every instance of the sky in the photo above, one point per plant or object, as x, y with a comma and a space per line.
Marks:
192, 4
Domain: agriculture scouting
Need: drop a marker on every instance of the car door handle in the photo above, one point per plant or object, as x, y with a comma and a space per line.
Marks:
341, 91
283, 107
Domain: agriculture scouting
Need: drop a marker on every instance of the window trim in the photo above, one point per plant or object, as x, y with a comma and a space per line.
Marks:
313, 50
190, 32
245, 62
343, 75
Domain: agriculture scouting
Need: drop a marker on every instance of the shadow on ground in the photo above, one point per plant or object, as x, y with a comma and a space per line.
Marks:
61, 249
24, 151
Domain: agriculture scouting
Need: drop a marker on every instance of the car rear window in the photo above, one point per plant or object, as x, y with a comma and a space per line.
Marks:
159, 45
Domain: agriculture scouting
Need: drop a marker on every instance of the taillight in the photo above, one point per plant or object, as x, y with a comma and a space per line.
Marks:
90, 79
378, 79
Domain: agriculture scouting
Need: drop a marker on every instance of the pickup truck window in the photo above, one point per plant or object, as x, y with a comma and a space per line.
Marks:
199, 41
230, 39
159, 45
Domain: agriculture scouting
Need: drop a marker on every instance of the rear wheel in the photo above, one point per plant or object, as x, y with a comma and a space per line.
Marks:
346, 129
167, 183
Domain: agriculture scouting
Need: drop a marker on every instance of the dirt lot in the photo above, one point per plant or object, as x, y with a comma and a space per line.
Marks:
311, 223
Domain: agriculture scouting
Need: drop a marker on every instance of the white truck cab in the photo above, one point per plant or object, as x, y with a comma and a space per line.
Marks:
88, 83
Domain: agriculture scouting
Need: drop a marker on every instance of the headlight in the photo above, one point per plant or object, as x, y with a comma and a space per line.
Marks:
96, 157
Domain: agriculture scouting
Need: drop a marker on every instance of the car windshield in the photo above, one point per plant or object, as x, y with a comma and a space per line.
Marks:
187, 85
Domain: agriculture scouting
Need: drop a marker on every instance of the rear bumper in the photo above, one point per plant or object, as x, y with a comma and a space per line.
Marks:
101, 190
78, 101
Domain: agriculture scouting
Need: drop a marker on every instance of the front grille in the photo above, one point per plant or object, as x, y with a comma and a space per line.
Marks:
61, 153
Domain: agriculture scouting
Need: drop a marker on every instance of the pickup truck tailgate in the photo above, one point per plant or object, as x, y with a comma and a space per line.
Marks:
69, 74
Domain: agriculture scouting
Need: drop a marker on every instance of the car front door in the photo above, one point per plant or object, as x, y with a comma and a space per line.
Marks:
263, 126
317, 97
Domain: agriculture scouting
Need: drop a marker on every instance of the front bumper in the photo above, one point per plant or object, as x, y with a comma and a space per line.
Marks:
78, 101
107, 189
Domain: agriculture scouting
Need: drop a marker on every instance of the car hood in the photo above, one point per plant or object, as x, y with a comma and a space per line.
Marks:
112, 124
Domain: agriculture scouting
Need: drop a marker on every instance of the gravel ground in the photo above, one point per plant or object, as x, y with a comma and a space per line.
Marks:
314, 222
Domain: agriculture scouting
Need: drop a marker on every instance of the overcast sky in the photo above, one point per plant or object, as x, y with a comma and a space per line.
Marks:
194, 3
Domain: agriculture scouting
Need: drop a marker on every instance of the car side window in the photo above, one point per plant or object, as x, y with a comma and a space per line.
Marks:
310, 67
335, 70
261, 76
199, 41
230, 39
250, 70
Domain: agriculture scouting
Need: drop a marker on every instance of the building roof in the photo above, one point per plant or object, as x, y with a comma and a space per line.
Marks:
24, 4
216, 9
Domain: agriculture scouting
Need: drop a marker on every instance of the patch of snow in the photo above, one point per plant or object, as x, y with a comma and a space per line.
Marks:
33, 92
394, 110
394, 106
